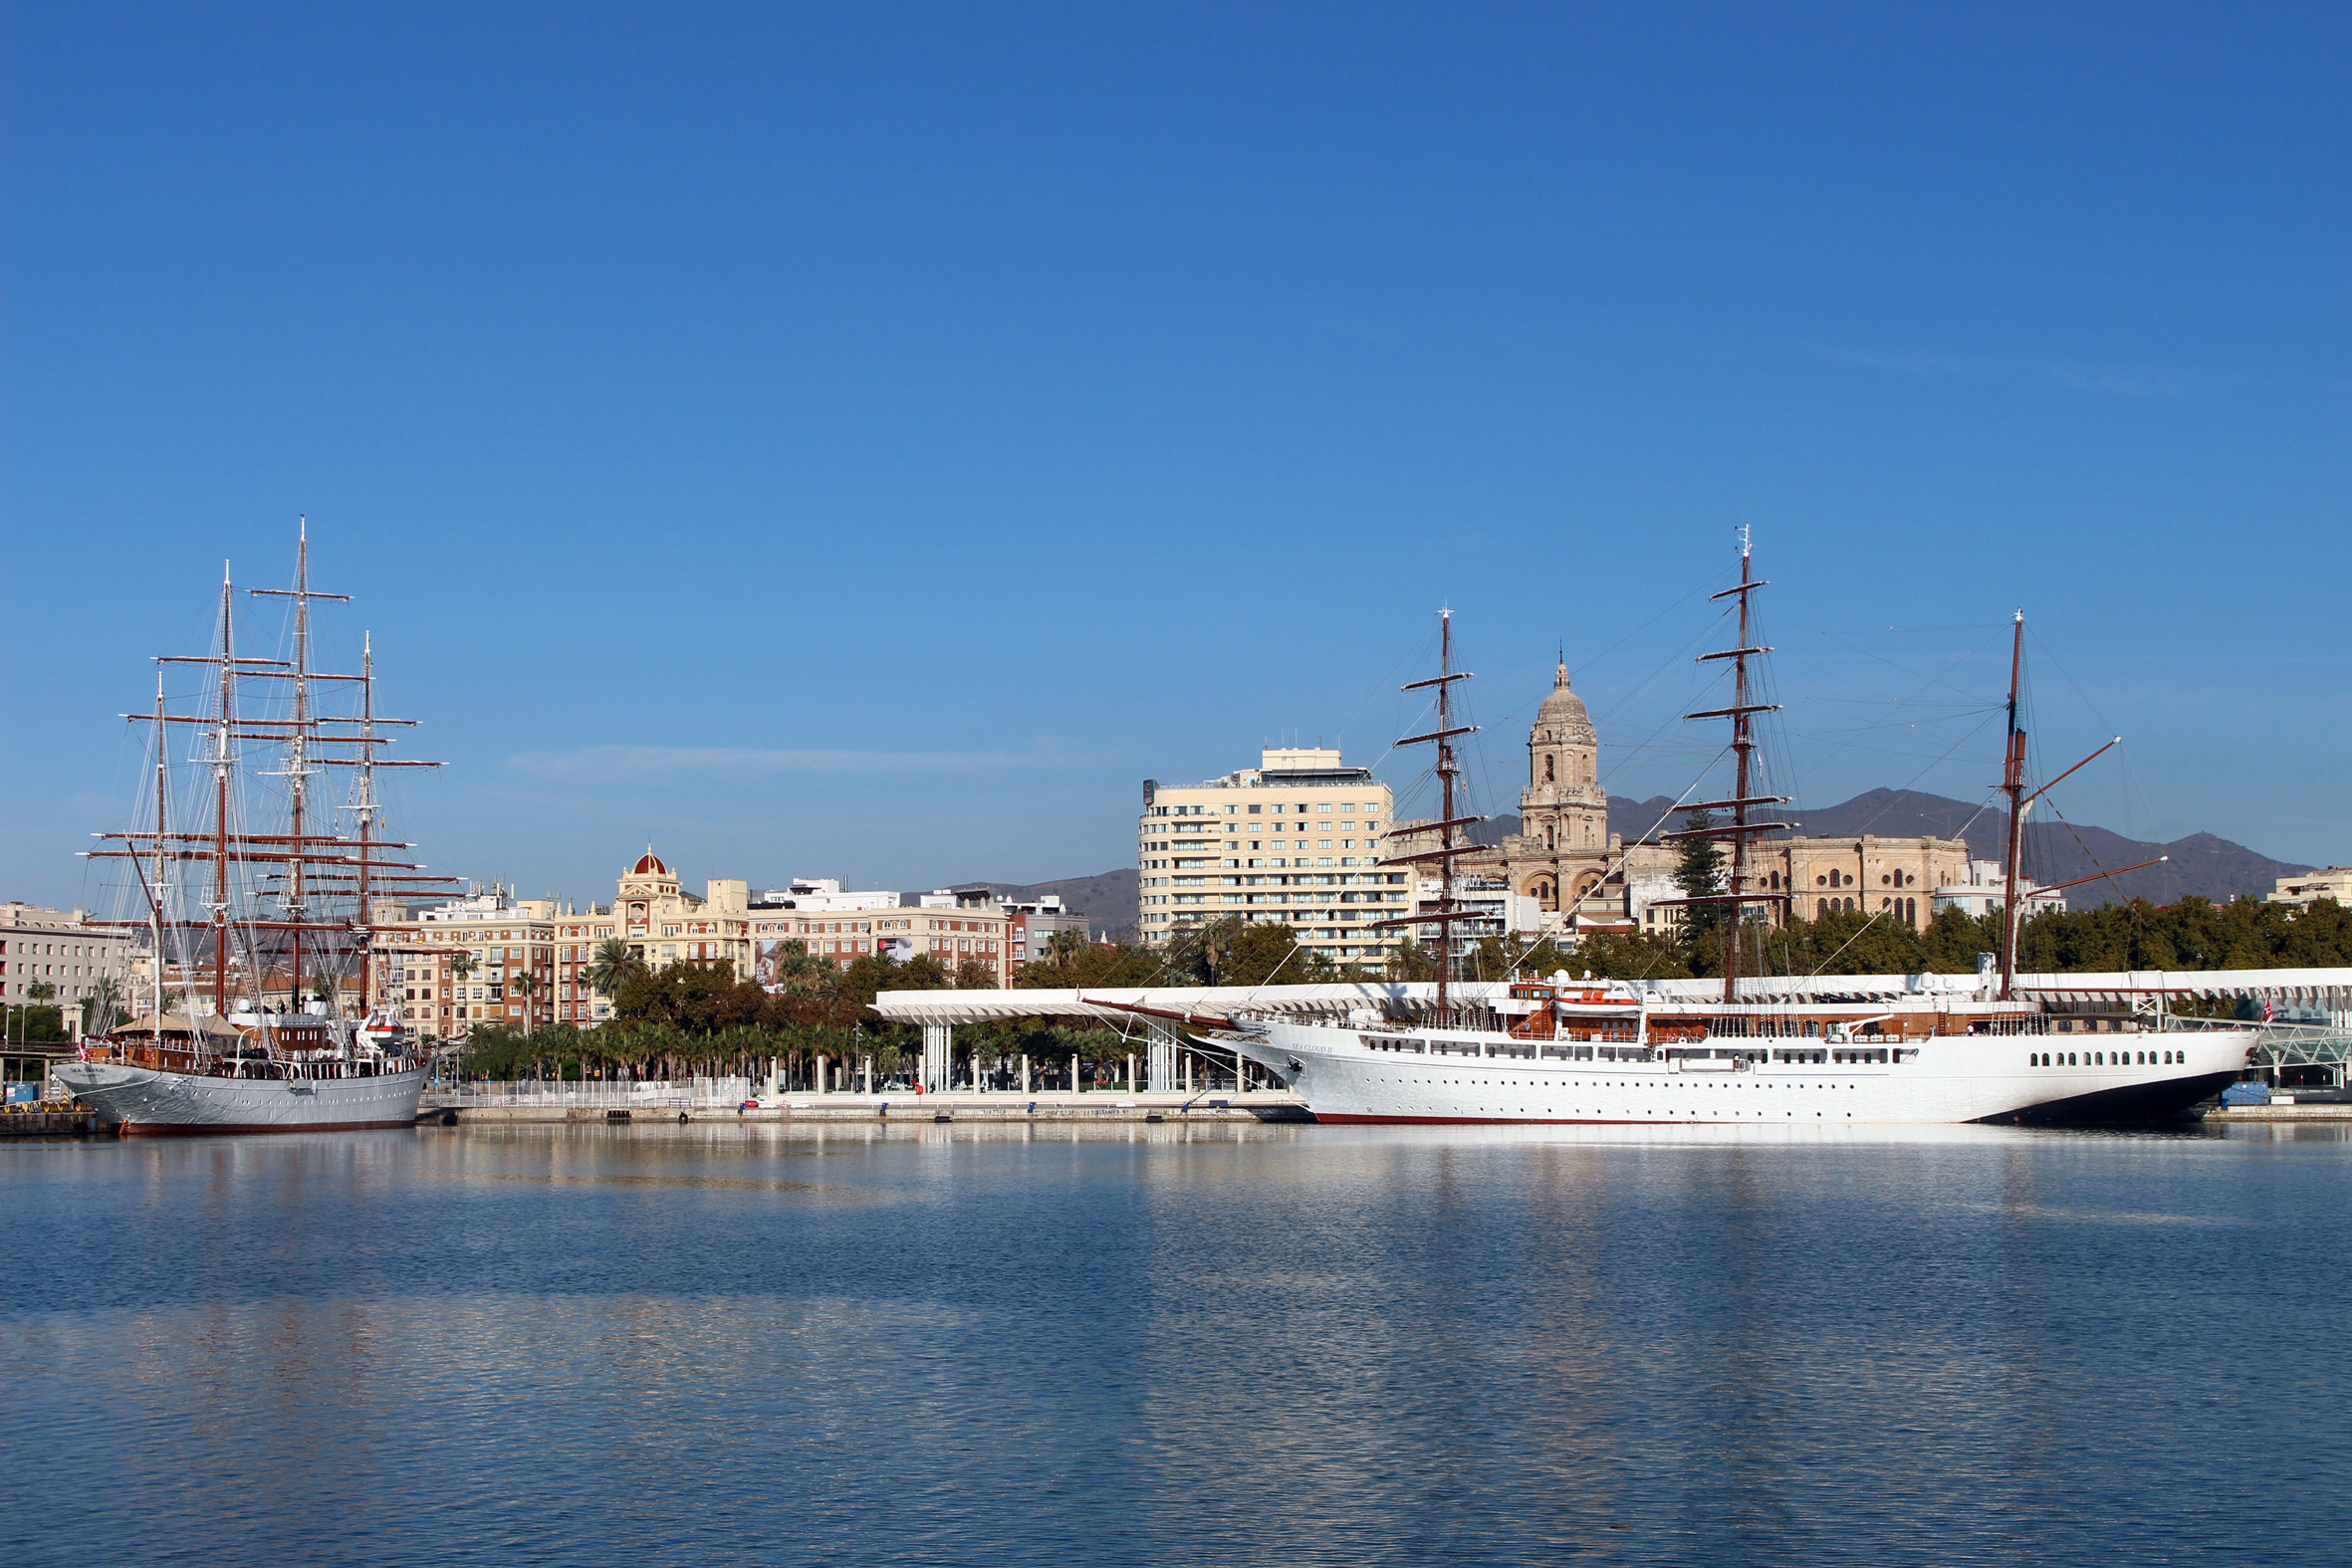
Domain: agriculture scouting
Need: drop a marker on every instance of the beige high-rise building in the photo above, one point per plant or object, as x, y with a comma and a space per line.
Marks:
1295, 840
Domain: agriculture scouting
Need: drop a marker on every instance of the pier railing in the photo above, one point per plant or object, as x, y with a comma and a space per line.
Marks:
592, 1093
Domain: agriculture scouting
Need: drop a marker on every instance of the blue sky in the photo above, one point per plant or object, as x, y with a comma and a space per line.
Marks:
870, 440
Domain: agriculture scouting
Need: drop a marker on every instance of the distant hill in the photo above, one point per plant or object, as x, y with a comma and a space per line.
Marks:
2054, 851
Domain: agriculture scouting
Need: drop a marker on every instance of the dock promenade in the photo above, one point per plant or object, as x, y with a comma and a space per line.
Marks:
1092, 1105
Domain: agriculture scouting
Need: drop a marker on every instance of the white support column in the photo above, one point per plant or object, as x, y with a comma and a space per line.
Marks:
938, 1041
1163, 1055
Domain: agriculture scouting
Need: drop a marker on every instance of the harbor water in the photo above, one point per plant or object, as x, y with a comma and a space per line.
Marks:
1179, 1344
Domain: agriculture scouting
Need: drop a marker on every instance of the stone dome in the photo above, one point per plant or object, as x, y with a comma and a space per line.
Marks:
1562, 713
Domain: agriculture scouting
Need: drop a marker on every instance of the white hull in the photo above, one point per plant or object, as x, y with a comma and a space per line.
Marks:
145, 1101
1459, 1076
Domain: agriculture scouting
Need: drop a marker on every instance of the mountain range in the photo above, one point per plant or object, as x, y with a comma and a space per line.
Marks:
2054, 852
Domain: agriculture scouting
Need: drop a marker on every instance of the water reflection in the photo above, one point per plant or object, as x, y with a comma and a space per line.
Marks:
1174, 1343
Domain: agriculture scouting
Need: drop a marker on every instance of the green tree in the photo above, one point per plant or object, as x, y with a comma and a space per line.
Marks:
865, 976
1237, 952
1953, 940
799, 970
1072, 962
975, 974
35, 1025
1415, 960
1699, 873
525, 986
693, 996
1263, 953
41, 990
1630, 955
1498, 957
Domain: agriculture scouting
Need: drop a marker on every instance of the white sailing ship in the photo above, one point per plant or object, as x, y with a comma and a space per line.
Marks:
232, 911
1569, 1051
1765, 1052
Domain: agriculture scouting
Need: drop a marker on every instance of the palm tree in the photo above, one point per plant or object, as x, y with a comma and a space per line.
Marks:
463, 964
612, 964
799, 970
523, 986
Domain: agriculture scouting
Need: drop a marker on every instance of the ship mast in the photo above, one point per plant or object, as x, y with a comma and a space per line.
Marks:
1448, 772
1739, 829
317, 868
299, 733
2012, 784
364, 809
221, 754
158, 893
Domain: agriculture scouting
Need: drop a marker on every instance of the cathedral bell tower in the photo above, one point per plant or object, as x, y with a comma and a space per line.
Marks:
1564, 811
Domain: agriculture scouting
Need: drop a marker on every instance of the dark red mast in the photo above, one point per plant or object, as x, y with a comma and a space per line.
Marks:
1448, 772
1739, 829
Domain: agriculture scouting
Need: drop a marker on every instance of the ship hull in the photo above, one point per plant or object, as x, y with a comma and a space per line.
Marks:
144, 1102
1460, 1078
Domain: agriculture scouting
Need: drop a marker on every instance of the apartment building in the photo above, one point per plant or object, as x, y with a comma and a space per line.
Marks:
419, 976
1295, 840
2309, 887
59, 950
1041, 918
953, 927
488, 958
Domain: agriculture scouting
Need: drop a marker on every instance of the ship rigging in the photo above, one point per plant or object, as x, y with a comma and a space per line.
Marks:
229, 905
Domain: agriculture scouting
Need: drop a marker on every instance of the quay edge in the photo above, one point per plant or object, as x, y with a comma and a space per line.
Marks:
911, 1109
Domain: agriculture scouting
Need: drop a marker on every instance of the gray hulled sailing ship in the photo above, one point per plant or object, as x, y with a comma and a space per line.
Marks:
247, 877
